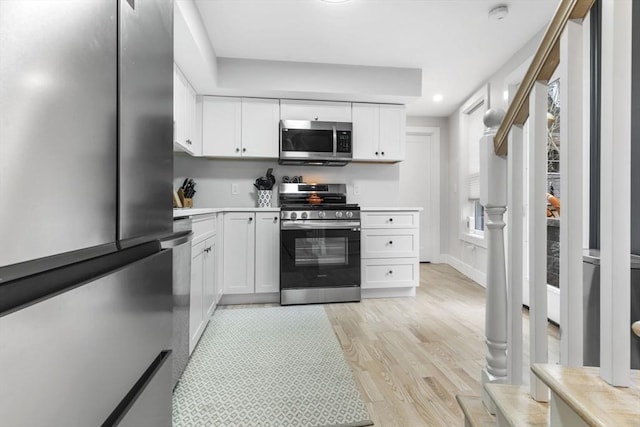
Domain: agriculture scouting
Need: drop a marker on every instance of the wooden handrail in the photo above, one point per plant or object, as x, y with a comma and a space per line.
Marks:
542, 67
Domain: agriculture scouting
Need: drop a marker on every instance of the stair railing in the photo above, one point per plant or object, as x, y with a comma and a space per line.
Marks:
502, 161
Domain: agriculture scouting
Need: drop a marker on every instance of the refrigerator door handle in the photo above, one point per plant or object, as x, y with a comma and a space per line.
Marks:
176, 239
28, 290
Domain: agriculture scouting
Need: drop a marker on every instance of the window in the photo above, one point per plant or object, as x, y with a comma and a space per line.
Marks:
471, 131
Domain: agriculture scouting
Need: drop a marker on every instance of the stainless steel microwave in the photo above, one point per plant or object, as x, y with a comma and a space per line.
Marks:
318, 143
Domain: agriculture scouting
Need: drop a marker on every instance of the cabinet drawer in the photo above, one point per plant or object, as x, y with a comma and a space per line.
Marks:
203, 226
389, 219
389, 273
381, 243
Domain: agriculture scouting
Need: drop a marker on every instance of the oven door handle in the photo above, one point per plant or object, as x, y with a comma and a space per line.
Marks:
320, 225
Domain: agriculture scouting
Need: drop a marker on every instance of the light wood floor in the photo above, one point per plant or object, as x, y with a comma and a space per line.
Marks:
411, 356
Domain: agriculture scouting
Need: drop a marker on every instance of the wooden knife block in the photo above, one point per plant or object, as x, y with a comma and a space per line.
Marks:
186, 202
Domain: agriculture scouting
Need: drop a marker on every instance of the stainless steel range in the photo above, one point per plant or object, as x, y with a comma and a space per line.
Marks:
320, 244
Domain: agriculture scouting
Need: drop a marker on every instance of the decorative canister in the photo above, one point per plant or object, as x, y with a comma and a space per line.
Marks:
264, 198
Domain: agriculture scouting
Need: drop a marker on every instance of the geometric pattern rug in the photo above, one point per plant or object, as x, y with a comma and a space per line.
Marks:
268, 366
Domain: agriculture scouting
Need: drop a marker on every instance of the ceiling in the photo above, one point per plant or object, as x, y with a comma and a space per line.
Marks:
454, 42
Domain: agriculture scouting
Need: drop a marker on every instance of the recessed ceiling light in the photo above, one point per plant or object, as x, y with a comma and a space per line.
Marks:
498, 13
438, 98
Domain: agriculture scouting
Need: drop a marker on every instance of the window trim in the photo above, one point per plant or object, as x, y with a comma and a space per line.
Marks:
480, 99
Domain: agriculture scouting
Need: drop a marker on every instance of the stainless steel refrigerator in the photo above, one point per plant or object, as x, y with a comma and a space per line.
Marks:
86, 166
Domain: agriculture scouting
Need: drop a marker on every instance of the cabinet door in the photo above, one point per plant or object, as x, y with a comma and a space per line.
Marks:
192, 137
366, 131
209, 283
267, 252
221, 126
239, 240
324, 111
179, 114
196, 303
260, 128
219, 267
392, 132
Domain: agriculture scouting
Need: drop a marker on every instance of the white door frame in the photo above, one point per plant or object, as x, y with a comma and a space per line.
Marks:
436, 203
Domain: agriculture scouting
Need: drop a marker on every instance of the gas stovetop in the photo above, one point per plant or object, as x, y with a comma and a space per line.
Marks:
319, 206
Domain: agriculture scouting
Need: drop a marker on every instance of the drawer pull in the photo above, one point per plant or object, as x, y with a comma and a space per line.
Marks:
390, 219
391, 242
275, 218
250, 219
390, 271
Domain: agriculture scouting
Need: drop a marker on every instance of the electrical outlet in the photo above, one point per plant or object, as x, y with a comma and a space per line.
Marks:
235, 189
356, 189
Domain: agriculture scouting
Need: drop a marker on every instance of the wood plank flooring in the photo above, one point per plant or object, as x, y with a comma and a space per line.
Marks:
411, 356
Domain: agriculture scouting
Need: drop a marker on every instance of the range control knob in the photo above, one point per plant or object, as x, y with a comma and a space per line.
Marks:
304, 215
338, 214
321, 214
349, 214
294, 215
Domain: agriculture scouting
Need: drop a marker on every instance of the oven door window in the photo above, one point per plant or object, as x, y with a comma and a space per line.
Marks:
321, 251
307, 140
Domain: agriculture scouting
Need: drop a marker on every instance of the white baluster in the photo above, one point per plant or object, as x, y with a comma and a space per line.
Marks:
493, 196
615, 197
515, 247
571, 184
538, 340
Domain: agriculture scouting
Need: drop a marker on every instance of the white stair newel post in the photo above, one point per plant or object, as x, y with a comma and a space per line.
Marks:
615, 193
538, 340
515, 247
571, 184
493, 196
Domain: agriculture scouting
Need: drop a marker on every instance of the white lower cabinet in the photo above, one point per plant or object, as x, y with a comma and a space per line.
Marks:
239, 241
385, 273
267, 272
390, 253
196, 298
202, 301
251, 252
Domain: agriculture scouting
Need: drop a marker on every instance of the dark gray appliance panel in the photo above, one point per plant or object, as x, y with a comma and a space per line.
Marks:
146, 118
58, 127
72, 358
150, 408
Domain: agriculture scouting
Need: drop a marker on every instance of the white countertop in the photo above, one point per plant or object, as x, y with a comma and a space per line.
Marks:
184, 212
395, 209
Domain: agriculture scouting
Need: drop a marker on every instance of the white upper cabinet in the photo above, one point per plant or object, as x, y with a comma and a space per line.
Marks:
378, 132
393, 124
366, 131
239, 127
324, 111
185, 135
260, 130
221, 126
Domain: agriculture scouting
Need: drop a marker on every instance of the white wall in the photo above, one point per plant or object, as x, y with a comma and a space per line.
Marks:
443, 124
378, 181
469, 258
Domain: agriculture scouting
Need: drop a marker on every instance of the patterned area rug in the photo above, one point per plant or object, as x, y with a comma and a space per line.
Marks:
273, 366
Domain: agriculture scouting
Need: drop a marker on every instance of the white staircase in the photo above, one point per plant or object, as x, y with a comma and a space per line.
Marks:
568, 394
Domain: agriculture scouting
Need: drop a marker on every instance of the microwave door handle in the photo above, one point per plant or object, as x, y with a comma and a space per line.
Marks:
335, 140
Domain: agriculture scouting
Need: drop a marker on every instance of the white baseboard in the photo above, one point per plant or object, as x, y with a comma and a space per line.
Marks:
476, 275
388, 292
265, 298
